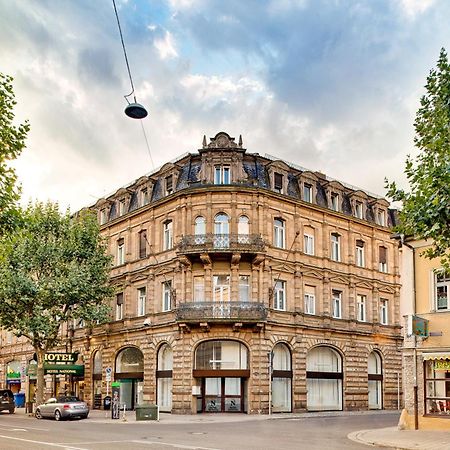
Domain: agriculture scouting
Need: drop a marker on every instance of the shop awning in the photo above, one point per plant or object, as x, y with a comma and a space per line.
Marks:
436, 356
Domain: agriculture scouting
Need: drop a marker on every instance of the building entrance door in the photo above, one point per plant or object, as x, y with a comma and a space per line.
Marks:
223, 394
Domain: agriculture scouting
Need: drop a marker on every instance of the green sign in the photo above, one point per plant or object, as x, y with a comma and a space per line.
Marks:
32, 371
13, 375
115, 384
64, 369
419, 326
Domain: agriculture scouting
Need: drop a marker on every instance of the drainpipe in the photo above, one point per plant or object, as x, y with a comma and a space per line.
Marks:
416, 399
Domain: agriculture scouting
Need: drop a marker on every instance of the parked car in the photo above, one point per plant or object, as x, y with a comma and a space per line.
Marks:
7, 401
64, 407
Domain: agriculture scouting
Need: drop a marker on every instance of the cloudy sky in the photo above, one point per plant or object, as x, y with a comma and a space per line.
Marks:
331, 85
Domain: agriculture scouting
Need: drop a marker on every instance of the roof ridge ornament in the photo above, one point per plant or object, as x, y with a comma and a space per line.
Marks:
222, 140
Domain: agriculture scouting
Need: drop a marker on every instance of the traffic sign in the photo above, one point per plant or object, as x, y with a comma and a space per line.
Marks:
108, 372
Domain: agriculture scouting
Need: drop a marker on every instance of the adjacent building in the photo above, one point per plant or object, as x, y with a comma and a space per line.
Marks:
425, 307
243, 284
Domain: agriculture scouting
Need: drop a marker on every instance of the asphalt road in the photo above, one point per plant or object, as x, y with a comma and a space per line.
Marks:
19, 432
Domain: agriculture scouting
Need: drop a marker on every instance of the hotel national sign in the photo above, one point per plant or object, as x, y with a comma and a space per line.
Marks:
62, 364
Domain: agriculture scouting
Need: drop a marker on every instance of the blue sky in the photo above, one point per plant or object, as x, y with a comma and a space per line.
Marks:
329, 85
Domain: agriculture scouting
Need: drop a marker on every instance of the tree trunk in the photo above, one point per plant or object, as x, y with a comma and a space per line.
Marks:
40, 383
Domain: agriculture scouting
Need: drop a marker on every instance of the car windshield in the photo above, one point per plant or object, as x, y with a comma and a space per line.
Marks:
68, 399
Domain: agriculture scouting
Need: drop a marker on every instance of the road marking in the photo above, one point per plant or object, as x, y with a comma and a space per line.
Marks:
50, 444
189, 447
11, 428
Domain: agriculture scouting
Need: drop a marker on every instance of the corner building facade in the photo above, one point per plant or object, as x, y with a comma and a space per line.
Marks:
246, 284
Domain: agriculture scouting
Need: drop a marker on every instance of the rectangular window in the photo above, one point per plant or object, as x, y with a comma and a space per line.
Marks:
244, 288
199, 289
169, 185
120, 251
103, 216
334, 201
437, 387
121, 207
307, 193
308, 244
381, 217
168, 237
279, 233
384, 311
337, 304
442, 282
119, 306
310, 300
141, 301
361, 307
335, 247
383, 259
279, 298
143, 244
167, 296
278, 182
359, 210
360, 253
221, 288
144, 197
221, 175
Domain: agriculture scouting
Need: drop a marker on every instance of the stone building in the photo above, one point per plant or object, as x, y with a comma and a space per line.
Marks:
244, 284
425, 307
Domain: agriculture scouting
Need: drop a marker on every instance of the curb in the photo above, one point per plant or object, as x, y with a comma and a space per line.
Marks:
357, 436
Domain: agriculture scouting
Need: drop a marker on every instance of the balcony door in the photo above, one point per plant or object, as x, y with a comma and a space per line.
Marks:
221, 288
221, 231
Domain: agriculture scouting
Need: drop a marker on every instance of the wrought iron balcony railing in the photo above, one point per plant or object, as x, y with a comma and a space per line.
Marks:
221, 242
221, 311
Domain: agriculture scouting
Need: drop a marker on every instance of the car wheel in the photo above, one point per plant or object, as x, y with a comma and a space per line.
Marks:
58, 415
38, 414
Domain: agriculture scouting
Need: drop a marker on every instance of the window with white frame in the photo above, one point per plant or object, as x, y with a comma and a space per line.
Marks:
335, 247
141, 301
307, 192
278, 182
361, 307
168, 235
384, 311
103, 216
279, 297
167, 296
308, 244
334, 200
382, 258
337, 304
121, 251
310, 300
243, 227
244, 288
169, 184
381, 217
122, 207
142, 244
359, 210
199, 289
221, 175
360, 260
119, 306
221, 286
144, 197
279, 232
442, 292
200, 230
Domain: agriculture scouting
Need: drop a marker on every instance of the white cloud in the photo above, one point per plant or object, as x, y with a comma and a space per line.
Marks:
413, 8
166, 46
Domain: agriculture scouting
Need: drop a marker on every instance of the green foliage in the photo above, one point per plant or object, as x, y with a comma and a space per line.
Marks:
53, 268
12, 142
426, 207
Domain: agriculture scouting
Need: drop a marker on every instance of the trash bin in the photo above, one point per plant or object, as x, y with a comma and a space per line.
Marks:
19, 400
147, 412
107, 403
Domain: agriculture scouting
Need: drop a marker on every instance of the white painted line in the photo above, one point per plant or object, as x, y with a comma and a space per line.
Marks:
11, 428
189, 447
50, 444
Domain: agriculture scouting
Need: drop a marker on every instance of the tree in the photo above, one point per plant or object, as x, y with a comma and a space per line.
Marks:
53, 269
12, 142
426, 207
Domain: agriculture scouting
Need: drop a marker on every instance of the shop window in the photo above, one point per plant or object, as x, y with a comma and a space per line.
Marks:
279, 233
335, 247
437, 386
442, 291
281, 379
360, 259
164, 378
222, 175
130, 360
219, 355
361, 301
375, 380
143, 244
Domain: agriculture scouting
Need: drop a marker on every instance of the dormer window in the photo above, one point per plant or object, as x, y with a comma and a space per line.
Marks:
221, 175
334, 201
307, 192
359, 210
121, 207
381, 217
144, 197
169, 185
103, 216
278, 182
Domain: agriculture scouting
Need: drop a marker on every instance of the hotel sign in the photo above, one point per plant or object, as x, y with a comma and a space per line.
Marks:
60, 357
62, 364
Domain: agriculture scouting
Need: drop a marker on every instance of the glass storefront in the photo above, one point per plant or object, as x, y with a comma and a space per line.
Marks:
164, 378
130, 373
437, 387
281, 379
375, 381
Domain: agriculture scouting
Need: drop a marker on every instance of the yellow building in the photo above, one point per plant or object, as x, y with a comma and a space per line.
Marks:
425, 307
244, 284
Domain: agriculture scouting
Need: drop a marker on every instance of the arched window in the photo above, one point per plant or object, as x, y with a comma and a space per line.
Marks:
200, 225
221, 230
130, 371
218, 355
129, 360
243, 230
375, 380
164, 377
281, 378
324, 379
97, 379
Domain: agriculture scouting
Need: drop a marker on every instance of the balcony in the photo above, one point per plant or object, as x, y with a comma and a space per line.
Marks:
246, 312
233, 243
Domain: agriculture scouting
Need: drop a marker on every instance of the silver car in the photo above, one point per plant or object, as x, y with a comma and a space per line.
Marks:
65, 407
